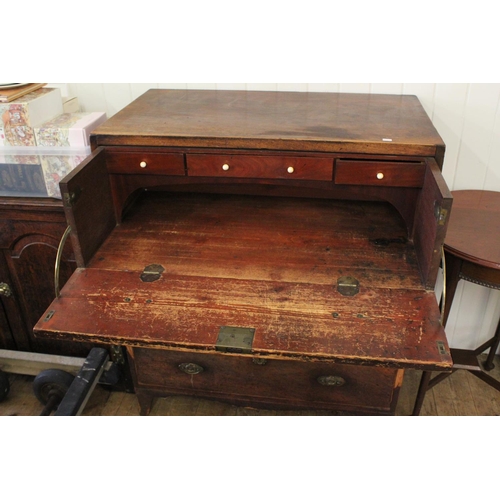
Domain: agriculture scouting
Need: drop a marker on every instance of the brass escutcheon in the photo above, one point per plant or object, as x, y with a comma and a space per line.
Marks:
331, 381
191, 368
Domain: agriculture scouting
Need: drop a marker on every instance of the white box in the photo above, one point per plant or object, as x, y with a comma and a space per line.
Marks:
71, 105
20, 117
69, 130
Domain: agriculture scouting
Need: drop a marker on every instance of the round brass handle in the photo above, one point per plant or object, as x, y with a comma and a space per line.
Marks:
225, 167
331, 381
191, 368
290, 170
380, 176
143, 164
5, 290
259, 361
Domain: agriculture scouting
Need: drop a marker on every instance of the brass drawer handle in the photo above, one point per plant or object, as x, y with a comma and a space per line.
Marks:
259, 361
191, 368
5, 290
57, 266
225, 167
331, 381
290, 170
380, 176
143, 164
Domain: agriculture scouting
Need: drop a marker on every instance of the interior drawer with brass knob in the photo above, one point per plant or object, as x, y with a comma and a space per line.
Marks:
144, 163
282, 383
260, 167
379, 173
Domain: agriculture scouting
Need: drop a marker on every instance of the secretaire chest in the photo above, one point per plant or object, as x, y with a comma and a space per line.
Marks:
267, 249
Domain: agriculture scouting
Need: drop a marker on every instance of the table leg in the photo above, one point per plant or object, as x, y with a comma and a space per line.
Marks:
453, 268
424, 386
145, 403
492, 344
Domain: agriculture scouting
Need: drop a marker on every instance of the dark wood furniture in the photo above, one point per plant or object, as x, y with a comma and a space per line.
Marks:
264, 249
472, 254
30, 231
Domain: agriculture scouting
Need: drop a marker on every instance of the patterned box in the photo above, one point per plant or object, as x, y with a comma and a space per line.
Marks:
19, 118
69, 130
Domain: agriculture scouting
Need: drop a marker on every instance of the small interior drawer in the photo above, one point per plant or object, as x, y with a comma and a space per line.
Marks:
145, 163
296, 383
379, 173
260, 167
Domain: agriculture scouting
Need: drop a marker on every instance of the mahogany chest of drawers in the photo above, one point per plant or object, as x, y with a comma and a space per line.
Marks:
259, 248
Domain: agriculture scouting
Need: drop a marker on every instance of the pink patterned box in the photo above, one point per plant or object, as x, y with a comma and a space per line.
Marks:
69, 130
19, 118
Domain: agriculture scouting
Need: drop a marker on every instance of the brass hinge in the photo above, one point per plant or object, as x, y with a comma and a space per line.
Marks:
235, 340
348, 286
71, 198
152, 273
442, 348
441, 214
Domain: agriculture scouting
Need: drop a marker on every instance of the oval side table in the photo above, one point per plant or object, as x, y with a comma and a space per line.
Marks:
472, 253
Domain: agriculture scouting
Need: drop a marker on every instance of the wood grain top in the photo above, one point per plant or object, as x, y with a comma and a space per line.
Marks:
474, 227
327, 122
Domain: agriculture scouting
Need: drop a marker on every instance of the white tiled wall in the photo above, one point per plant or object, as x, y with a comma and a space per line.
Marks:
467, 115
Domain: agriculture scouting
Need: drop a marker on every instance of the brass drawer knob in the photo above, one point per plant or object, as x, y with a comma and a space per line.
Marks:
380, 176
143, 164
331, 381
191, 368
290, 170
5, 290
225, 167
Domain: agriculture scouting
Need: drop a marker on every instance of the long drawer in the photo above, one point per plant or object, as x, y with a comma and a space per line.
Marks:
260, 167
292, 383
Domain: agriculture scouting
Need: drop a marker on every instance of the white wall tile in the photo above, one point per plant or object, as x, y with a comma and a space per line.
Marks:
492, 181
386, 88
323, 87
292, 87
172, 85
425, 92
90, 96
359, 88
476, 139
449, 120
137, 89
231, 86
262, 86
117, 96
201, 86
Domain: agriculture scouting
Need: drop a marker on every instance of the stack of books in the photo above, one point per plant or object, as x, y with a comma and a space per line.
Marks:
12, 91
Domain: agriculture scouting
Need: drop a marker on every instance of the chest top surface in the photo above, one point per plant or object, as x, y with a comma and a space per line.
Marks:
293, 121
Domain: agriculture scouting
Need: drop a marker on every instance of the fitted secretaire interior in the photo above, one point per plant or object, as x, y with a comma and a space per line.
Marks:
313, 221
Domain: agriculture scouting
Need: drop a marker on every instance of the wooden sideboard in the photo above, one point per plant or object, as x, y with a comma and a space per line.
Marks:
260, 248
30, 231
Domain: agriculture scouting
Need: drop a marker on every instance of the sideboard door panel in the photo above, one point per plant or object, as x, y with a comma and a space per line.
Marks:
32, 263
6, 340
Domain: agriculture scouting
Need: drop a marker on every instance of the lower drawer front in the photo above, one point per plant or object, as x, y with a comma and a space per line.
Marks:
287, 383
260, 167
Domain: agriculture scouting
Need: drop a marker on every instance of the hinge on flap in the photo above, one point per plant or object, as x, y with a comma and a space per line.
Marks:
71, 198
348, 286
441, 214
235, 340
